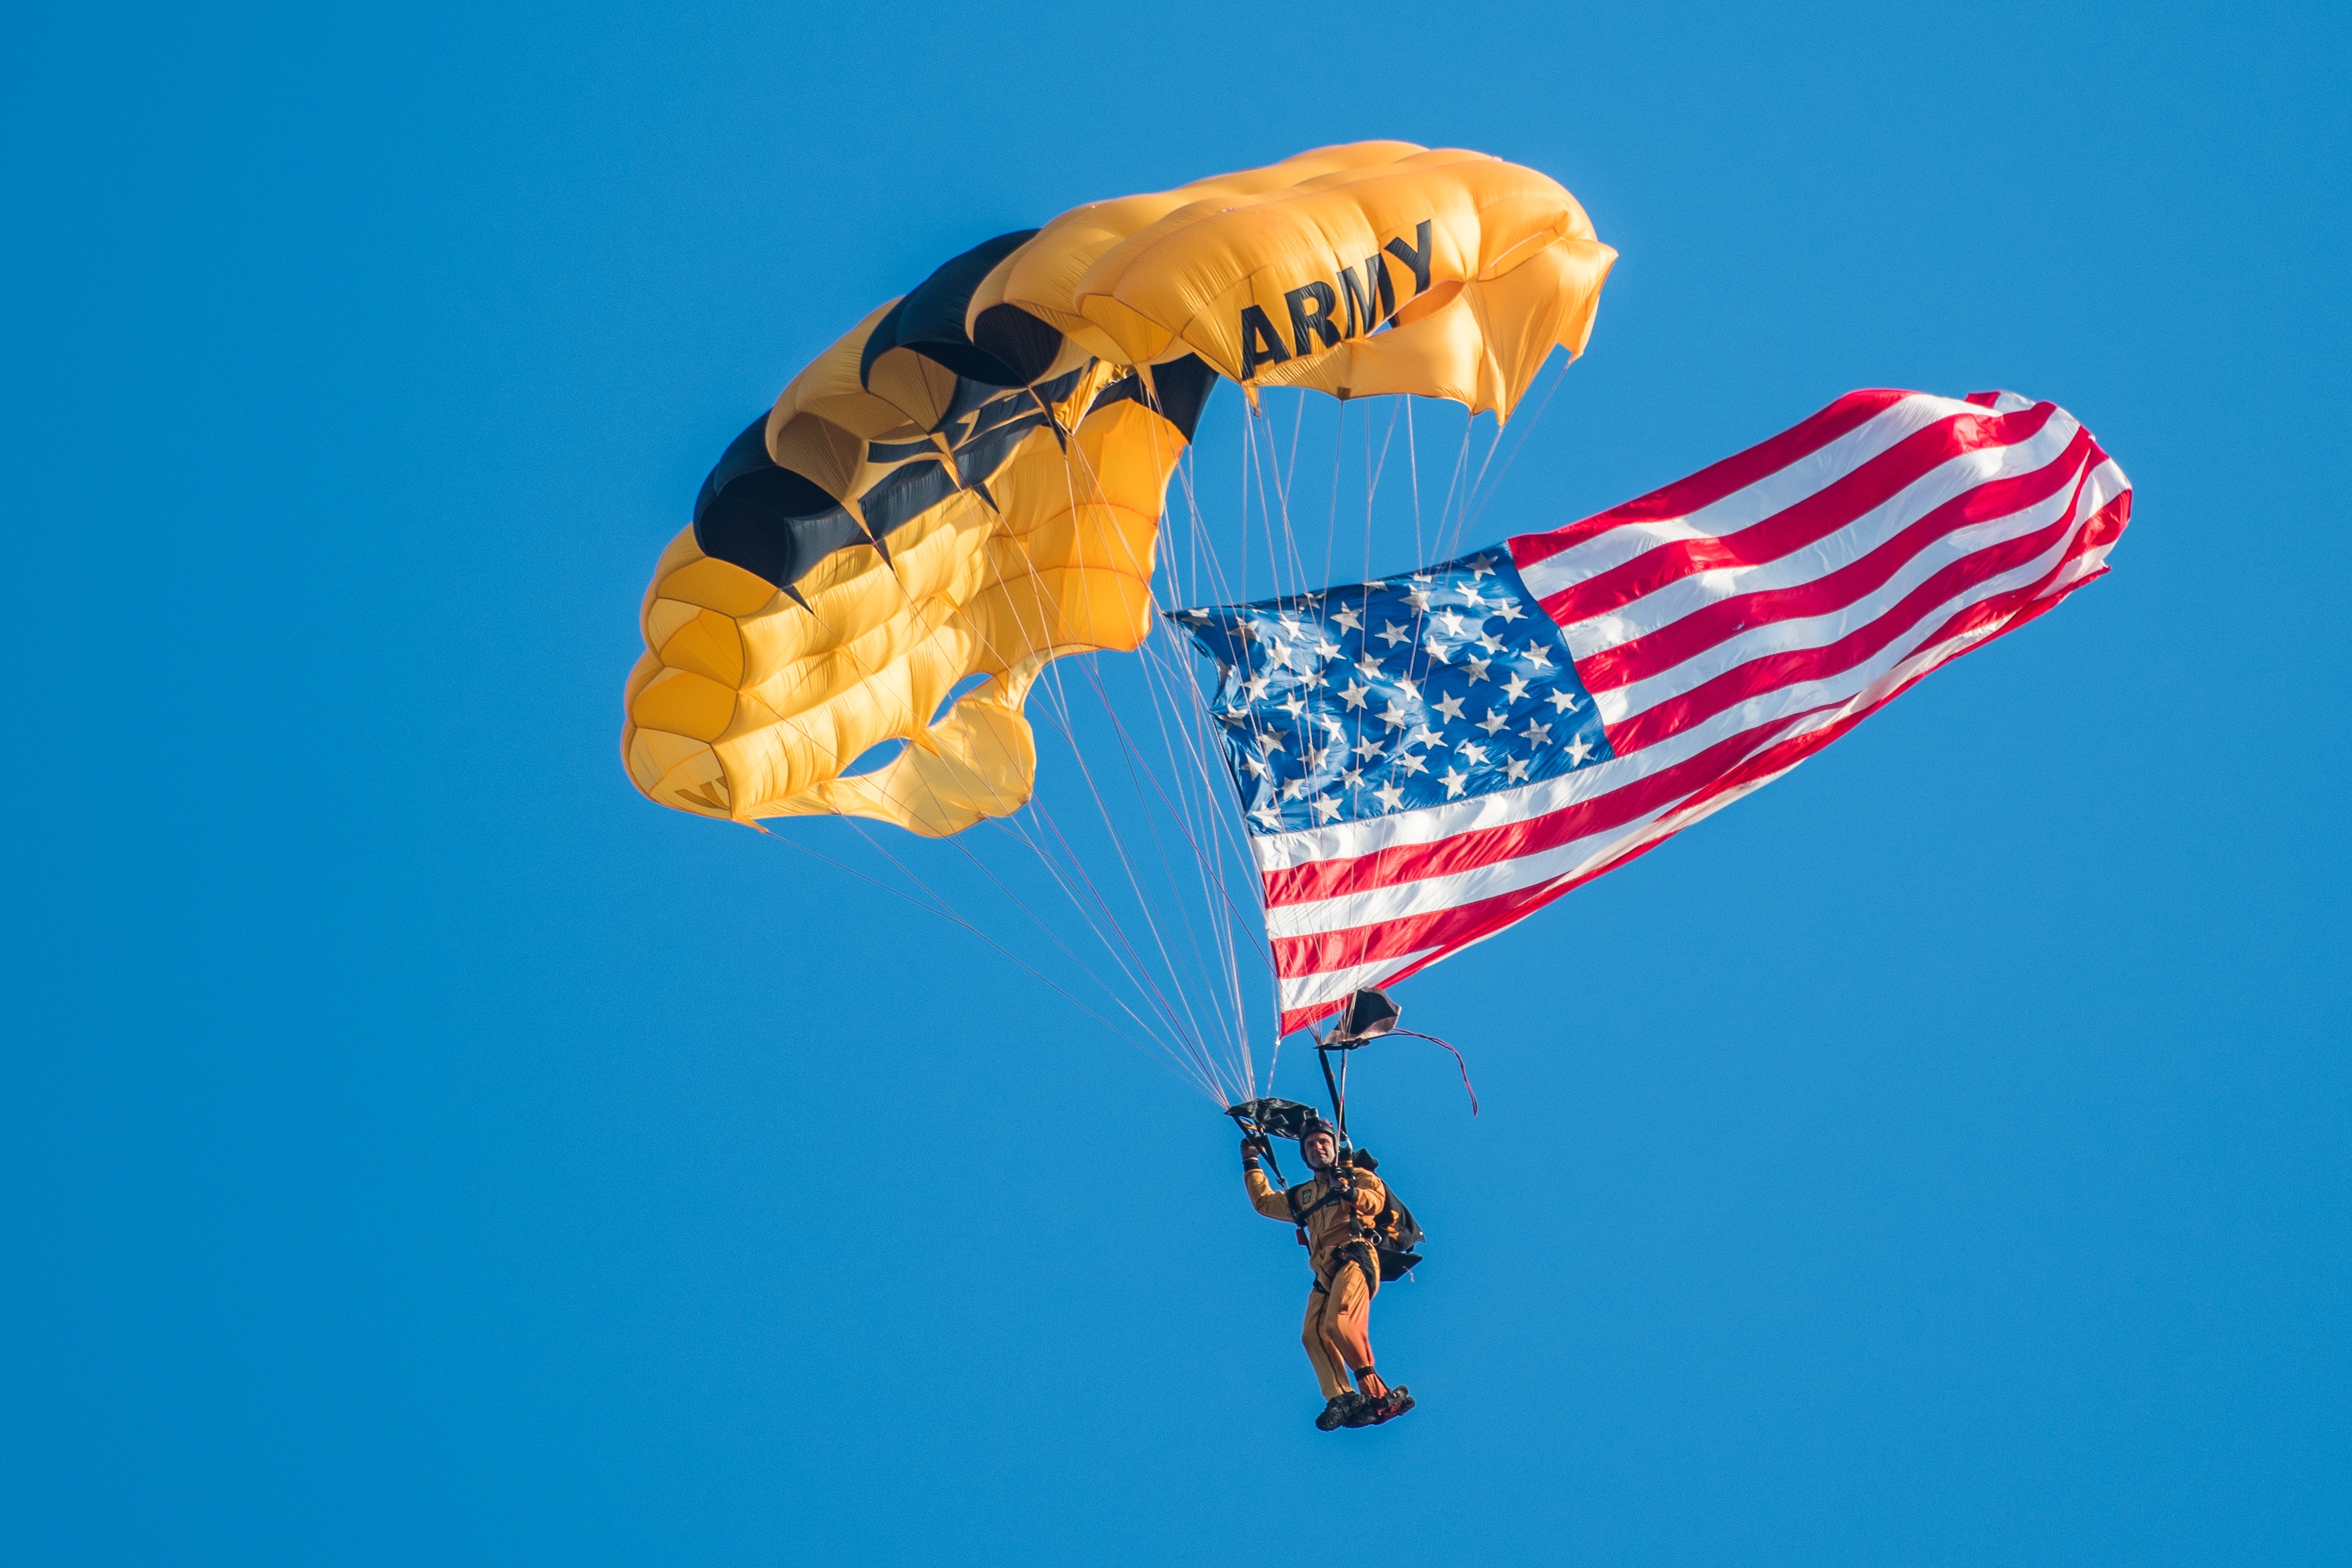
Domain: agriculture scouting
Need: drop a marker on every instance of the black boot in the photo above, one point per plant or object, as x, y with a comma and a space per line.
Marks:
1340, 1412
1377, 1412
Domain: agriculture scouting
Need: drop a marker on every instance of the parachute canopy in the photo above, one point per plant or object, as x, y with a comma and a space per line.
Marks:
968, 484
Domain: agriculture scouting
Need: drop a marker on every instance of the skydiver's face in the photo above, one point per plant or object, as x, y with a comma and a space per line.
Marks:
1319, 1150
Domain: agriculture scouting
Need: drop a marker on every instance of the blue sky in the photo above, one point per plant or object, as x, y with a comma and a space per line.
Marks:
419, 1147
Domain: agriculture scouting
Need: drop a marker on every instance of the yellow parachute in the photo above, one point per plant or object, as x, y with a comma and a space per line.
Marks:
969, 483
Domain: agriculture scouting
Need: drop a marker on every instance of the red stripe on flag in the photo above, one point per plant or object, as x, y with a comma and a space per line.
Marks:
1703, 629
1313, 954
1711, 484
1490, 845
2023, 603
1822, 514
1772, 671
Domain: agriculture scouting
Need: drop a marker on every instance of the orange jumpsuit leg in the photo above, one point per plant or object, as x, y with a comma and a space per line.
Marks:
1329, 1370
1339, 1333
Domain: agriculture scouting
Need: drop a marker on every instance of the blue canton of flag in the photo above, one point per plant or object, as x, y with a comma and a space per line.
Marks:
1385, 696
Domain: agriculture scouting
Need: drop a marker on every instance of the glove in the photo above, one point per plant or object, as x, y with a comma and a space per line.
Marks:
1250, 1144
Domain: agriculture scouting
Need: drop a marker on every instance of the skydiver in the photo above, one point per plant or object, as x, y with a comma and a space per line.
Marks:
1336, 1212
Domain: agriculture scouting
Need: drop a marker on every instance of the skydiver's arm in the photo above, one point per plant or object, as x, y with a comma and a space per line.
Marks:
1263, 1196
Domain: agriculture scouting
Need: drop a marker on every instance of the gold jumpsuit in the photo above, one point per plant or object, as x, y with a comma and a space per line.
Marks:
1338, 1333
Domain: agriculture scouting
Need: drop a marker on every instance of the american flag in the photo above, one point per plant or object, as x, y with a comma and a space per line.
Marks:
1427, 759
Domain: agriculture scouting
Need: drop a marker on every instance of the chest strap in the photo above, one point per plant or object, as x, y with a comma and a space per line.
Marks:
1298, 1212
1335, 1193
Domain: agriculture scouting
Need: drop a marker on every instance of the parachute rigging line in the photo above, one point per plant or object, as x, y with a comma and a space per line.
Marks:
954, 920
1462, 517
1194, 1056
1191, 718
1134, 967
1207, 1080
1338, 449
1059, 707
1143, 903
1525, 431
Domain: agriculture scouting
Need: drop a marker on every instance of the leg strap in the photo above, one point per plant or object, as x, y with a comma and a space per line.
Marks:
1359, 1253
